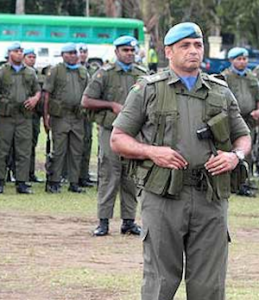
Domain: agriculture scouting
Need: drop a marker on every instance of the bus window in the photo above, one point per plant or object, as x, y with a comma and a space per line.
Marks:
43, 52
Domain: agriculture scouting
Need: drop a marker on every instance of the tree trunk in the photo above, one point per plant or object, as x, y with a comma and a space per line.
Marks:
20, 7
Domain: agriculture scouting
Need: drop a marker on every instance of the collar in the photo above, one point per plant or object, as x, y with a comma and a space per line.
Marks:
121, 66
238, 72
198, 85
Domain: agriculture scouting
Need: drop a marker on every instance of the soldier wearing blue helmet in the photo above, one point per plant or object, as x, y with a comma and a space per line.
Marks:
184, 132
245, 87
64, 86
105, 95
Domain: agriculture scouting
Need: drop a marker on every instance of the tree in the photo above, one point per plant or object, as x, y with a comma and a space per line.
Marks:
20, 7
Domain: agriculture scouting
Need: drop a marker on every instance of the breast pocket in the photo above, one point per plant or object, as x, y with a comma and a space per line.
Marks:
215, 104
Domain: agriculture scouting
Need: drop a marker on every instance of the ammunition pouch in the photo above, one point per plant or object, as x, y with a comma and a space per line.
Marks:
170, 182
105, 118
239, 176
59, 109
220, 129
6, 108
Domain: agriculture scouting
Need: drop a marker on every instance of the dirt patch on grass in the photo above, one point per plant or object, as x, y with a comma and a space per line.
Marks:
35, 250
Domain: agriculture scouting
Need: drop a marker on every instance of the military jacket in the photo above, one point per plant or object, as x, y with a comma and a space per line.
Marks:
180, 129
17, 87
66, 85
111, 83
245, 88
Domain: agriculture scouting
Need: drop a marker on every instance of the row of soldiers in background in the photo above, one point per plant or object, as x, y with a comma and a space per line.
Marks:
18, 82
245, 86
64, 117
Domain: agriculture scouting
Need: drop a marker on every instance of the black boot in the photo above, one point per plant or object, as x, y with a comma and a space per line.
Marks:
74, 188
23, 188
130, 227
86, 183
247, 191
1, 186
52, 187
34, 178
103, 228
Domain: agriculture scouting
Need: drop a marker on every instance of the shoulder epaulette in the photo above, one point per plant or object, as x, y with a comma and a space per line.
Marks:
108, 67
141, 68
215, 79
156, 77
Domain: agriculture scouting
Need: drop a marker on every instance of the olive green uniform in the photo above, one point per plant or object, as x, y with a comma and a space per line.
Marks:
15, 120
36, 117
66, 87
179, 216
111, 83
246, 90
88, 127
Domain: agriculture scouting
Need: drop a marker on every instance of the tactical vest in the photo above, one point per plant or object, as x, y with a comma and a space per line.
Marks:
252, 84
114, 92
27, 80
169, 182
56, 106
7, 106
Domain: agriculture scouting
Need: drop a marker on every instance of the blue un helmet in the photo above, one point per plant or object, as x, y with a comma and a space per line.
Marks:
14, 46
237, 51
69, 47
181, 31
125, 40
29, 51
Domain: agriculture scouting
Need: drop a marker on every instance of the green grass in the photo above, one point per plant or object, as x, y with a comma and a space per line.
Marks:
243, 274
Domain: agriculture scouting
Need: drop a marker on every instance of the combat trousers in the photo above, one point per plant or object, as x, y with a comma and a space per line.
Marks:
67, 139
187, 227
35, 135
113, 179
84, 171
16, 130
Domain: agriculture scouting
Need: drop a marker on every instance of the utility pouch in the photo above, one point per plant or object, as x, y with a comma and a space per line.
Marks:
221, 186
220, 129
239, 176
6, 108
157, 181
140, 170
55, 108
176, 182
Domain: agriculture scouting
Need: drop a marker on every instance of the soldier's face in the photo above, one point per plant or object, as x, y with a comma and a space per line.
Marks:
240, 62
30, 60
186, 55
125, 54
16, 56
70, 57
83, 54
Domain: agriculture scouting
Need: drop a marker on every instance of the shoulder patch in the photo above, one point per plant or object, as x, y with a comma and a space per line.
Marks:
156, 77
214, 79
108, 67
137, 87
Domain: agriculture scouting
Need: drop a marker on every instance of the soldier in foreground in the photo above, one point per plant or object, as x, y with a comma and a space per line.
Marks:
183, 186
19, 94
245, 87
106, 94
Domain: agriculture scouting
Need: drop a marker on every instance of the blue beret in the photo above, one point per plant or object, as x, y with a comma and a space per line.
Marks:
82, 47
14, 46
69, 47
29, 51
237, 51
125, 40
182, 31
